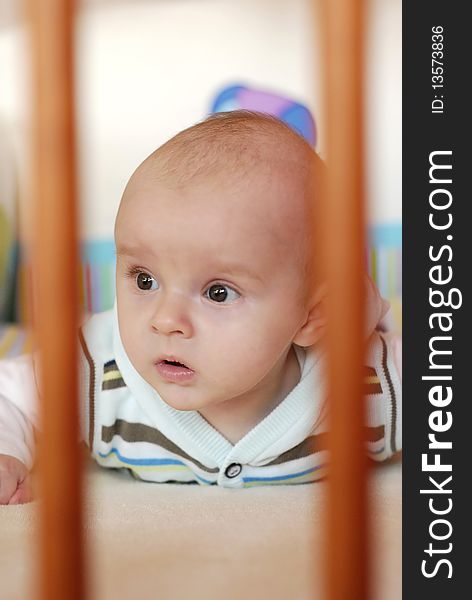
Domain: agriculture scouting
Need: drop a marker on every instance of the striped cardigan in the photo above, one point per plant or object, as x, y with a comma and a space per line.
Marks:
129, 426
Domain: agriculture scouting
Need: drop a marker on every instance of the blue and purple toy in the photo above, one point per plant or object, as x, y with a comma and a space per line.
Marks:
296, 115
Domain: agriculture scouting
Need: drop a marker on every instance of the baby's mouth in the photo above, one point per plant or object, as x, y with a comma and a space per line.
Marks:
174, 370
175, 363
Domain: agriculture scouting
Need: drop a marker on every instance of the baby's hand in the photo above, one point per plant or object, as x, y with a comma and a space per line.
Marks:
15, 481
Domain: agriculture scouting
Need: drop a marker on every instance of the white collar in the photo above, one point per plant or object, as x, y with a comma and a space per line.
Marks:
287, 425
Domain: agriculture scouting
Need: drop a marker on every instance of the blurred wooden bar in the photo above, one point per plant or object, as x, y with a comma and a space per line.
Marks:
341, 232
55, 297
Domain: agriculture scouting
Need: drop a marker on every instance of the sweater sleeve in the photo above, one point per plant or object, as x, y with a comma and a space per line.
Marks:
18, 408
383, 382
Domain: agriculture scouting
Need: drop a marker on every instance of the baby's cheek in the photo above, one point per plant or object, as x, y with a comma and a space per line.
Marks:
253, 357
130, 344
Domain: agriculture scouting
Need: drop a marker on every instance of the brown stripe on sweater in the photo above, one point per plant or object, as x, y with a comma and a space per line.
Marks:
311, 445
374, 434
318, 443
110, 366
372, 388
113, 384
138, 432
393, 431
372, 383
91, 388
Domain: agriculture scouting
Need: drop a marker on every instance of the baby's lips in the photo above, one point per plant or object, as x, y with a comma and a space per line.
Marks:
172, 359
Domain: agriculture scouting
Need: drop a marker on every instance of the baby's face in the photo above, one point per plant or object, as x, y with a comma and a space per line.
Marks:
207, 277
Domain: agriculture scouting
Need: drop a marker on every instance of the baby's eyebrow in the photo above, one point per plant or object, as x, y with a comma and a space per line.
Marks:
235, 270
221, 268
127, 250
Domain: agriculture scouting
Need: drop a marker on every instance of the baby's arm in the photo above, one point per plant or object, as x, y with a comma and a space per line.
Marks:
18, 417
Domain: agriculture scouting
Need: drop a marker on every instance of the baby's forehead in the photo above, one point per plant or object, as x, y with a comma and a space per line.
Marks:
258, 196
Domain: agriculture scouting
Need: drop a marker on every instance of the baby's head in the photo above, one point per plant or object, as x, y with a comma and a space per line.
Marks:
213, 259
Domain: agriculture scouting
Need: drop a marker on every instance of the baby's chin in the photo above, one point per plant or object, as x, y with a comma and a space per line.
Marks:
182, 405
180, 397
189, 396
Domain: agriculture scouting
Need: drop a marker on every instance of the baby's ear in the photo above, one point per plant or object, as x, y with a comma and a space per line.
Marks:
313, 328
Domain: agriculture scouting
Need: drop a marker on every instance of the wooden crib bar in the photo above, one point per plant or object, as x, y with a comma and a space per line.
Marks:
342, 251
55, 264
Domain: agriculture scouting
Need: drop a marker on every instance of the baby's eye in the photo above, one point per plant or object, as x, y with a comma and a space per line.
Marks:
220, 293
146, 282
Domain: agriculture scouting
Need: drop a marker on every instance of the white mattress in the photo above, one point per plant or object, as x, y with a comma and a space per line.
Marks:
175, 542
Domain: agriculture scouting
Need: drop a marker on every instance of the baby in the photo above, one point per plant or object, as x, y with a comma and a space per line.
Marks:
209, 369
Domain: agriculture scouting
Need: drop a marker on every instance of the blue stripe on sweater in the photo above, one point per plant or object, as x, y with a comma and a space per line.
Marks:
150, 462
142, 461
283, 477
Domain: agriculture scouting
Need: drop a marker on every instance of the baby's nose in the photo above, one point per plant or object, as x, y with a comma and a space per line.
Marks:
171, 316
